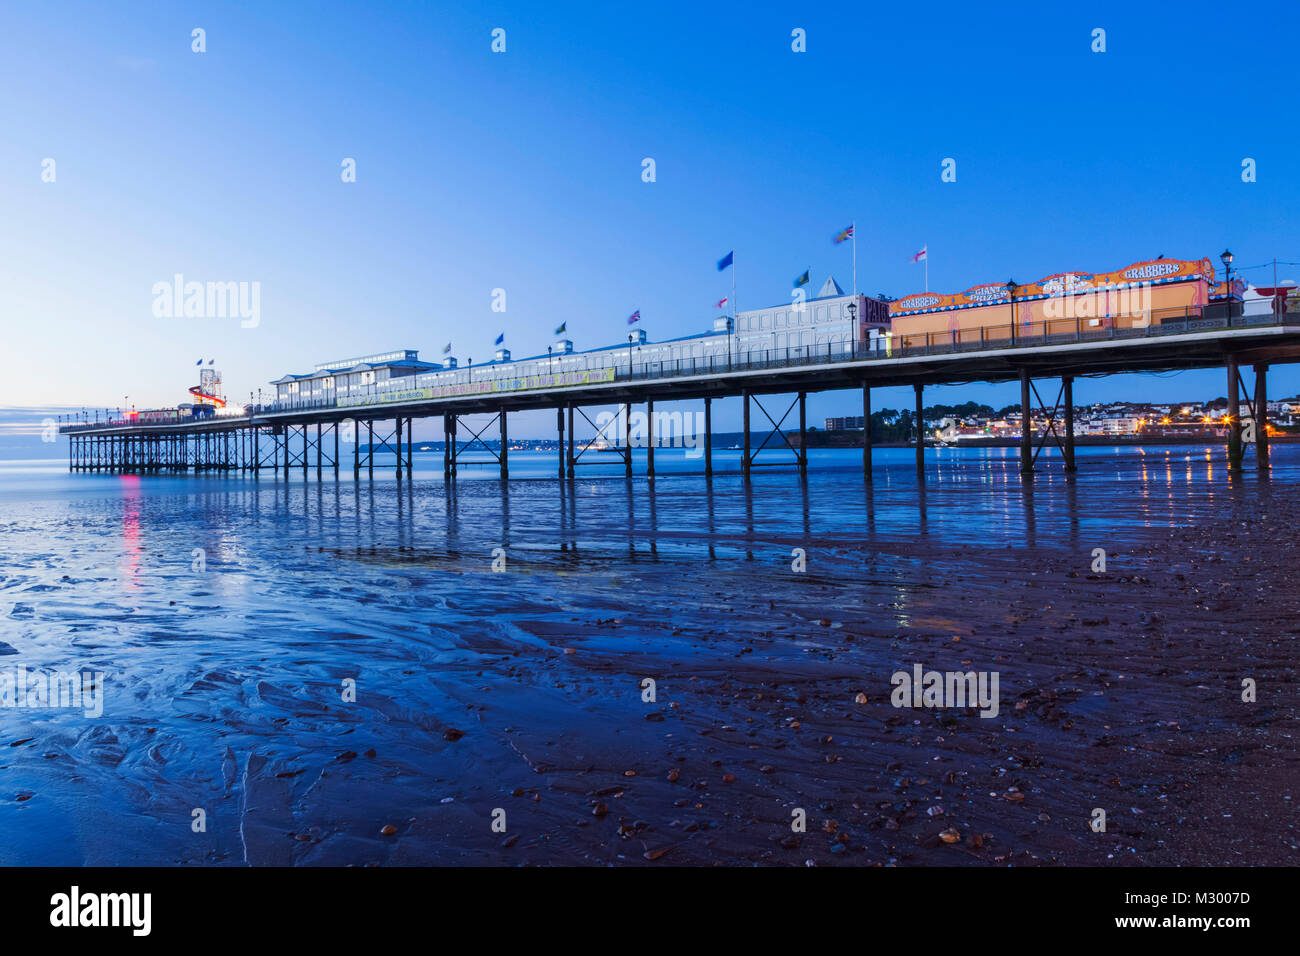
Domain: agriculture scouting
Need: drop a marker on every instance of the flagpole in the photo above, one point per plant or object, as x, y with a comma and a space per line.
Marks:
854, 225
734, 307
735, 311
927, 267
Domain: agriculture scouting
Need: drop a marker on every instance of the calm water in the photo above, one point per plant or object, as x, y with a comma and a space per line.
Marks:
222, 685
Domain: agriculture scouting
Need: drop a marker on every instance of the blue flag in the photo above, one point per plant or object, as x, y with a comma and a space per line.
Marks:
563, 325
500, 338
726, 260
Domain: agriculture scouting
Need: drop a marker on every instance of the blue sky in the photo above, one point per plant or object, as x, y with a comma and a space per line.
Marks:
522, 171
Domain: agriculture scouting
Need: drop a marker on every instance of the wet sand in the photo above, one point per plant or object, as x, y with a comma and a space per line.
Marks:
521, 691
1120, 691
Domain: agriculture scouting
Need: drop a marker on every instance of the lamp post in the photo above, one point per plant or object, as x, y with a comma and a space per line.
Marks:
853, 326
1011, 297
1226, 256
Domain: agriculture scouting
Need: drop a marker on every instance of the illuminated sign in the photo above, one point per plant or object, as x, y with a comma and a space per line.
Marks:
1155, 271
986, 293
1065, 283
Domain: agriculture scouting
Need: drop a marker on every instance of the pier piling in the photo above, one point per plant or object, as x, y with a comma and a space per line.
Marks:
1234, 414
708, 437
397, 434
920, 430
559, 427
1067, 388
1261, 414
803, 433
1026, 427
571, 460
744, 457
650, 438
866, 430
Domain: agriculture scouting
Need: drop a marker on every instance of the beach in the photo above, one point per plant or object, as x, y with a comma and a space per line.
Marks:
412, 673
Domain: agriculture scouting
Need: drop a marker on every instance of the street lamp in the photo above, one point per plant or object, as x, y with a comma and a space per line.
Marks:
853, 325
1226, 256
1011, 297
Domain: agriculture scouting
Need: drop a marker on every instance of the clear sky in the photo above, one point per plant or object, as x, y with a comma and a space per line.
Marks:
522, 170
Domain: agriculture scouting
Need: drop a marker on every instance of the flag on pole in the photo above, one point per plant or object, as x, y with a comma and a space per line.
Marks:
199, 362
447, 349
842, 235
721, 303
802, 280
726, 260
634, 317
500, 338
923, 255
563, 325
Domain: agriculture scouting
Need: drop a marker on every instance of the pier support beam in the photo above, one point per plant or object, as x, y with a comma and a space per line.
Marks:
1026, 426
408, 447
1234, 415
1261, 414
803, 433
453, 424
559, 427
1067, 387
650, 438
505, 447
397, 434
446, 446
573, 467
708, 438
866, 430
627, 439
744, 456
920, 430
370, 448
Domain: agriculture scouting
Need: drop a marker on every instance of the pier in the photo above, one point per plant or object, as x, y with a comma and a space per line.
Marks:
285, 436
